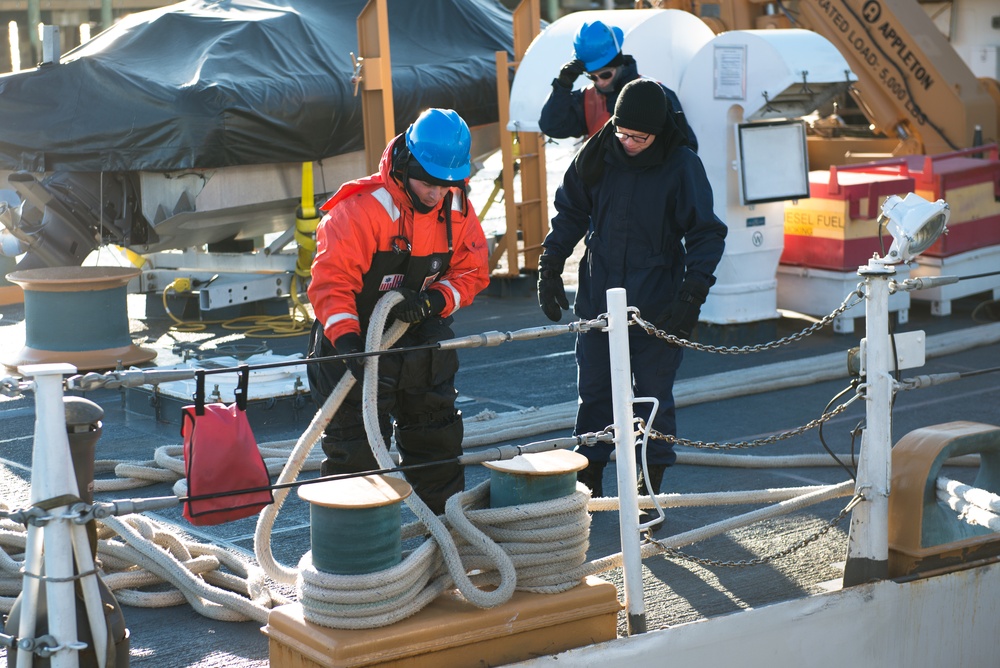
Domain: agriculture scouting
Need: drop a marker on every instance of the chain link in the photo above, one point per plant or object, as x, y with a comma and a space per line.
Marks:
675, 553
853, 299
767, 440
13, 387
94, 381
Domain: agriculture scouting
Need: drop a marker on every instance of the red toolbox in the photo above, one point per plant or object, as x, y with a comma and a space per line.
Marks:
969, 181
837, 226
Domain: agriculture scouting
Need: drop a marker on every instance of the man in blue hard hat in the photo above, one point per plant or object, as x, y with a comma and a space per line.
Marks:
597, 52
411, 228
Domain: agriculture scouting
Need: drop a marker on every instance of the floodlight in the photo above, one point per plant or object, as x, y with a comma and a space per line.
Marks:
914, 223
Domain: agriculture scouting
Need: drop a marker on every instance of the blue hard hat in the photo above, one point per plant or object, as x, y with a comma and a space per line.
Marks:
596, 44
440, 141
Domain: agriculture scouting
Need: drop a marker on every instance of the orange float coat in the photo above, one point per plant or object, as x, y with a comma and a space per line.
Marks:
360, 250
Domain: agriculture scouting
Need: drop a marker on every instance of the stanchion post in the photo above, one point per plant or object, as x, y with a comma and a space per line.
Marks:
51, 476
868, 539
621, 391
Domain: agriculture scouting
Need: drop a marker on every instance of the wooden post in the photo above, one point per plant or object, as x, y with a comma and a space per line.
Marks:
376, 81
521, 151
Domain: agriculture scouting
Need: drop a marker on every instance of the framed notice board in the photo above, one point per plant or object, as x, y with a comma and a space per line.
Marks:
773, 161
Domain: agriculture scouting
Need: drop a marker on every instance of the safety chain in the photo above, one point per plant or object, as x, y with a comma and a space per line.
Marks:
34, 516
45, 646
14, 387
812, 424
40, 514
95, 381
592, 438
598, 323
858, 296
795, 547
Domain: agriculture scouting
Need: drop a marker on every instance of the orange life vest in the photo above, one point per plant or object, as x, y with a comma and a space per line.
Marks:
595, 110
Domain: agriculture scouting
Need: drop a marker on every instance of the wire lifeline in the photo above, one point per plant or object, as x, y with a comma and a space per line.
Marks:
137, 377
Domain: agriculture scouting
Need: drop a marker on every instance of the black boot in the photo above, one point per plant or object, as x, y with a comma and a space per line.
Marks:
347, 455
593, 477
656, 472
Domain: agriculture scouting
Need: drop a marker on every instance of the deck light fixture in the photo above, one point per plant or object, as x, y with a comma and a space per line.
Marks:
914, 223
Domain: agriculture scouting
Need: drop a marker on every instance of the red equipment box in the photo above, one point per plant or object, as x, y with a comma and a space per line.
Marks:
837, 227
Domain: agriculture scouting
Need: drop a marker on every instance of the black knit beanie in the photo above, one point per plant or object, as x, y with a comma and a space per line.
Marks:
641, 106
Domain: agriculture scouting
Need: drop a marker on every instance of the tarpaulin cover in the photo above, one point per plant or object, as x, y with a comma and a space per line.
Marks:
204, 84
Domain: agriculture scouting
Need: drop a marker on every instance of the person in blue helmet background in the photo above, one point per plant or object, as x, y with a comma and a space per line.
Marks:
639, 199
410, 227
597, 52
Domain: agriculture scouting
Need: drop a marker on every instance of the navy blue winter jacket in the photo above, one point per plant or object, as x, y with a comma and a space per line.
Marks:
634, 213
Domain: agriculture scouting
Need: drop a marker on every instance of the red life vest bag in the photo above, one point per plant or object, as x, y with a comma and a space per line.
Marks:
221, 455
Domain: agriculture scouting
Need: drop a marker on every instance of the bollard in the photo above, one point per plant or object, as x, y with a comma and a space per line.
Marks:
531, 478
78, 316
354, 524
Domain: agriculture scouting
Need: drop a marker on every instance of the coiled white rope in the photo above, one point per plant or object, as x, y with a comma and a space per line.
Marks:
300, 453
241, 596
136, 552
544, 541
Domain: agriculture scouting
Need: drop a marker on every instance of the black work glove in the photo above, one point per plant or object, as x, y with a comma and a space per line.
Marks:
570, 72
551, 293
682, 314
417, 306
347, 344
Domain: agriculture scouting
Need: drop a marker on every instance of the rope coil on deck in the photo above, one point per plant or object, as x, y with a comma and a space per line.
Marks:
544, 542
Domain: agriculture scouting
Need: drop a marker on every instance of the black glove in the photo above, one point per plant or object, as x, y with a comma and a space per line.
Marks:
570, 72
551, 293
682, 315
417, 306
347, 344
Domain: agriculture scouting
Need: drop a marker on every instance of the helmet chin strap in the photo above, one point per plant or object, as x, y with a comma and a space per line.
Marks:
400, 170
417, 204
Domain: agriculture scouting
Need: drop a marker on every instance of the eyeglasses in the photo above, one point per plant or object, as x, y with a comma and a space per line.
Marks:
603, 75
638, 139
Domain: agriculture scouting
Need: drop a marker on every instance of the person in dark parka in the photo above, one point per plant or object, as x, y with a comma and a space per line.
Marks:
640, 199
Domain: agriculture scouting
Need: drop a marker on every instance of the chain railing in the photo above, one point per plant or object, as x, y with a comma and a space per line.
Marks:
13, 387
853, 299
767, 440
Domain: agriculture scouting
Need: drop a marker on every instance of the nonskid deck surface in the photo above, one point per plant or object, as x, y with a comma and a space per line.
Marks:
540, 374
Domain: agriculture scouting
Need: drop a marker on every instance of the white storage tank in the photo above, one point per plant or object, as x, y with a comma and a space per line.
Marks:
743, 94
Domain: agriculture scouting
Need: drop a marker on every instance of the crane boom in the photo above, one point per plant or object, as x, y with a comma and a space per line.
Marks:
911, 82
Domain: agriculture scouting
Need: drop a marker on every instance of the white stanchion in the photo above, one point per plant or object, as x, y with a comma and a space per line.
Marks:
47, 482
621, 391
65, 543
868, 542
